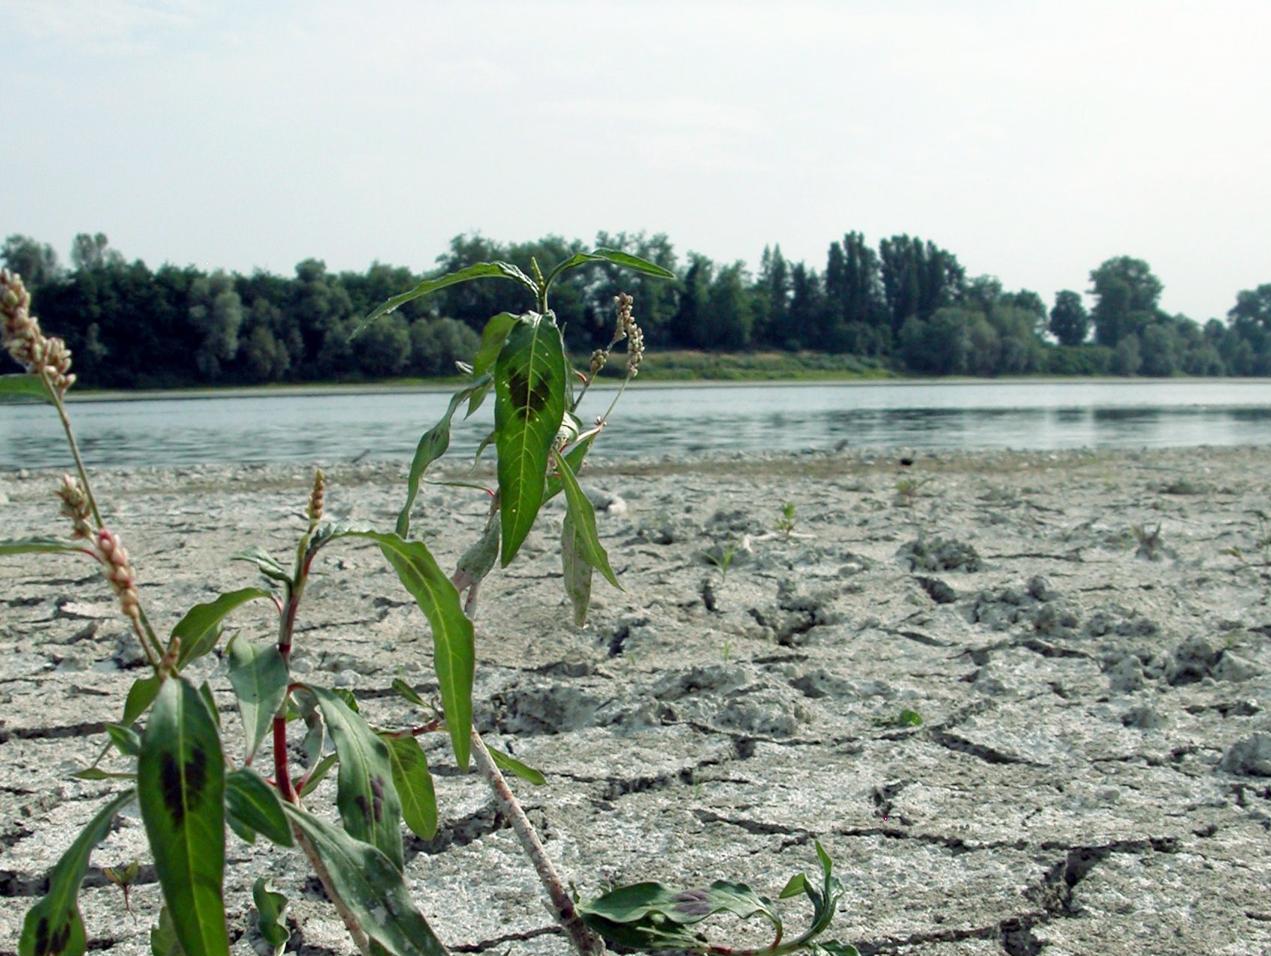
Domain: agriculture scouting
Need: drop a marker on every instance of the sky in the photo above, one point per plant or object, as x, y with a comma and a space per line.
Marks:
1032, 139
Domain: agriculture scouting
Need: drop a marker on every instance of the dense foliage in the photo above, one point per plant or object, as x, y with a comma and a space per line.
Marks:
906, 304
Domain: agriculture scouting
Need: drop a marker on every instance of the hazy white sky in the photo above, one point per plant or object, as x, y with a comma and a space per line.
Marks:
1033, 140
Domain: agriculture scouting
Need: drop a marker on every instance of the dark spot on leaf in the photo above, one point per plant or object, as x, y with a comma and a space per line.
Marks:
377, 807
363, 807
692, 903
50, 943
528, 393
182, 786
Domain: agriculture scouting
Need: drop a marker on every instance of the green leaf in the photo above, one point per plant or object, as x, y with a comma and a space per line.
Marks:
407, 692
583, 517
163, 936
796, 885
835, 949
125, 738
576, 570
493, 336
266, 564
624, 259
96, 773
649, 914
574, 458
432, 445
475, 563
140, 696
318, 773
371, 887
479, 270
454, 657
181, 789
271, 915
509, 764
255, 805
205, 691
40, 546
529, 403
366, 797
54, 926
909, 718
200, 629
23, 387
414, 784
258, 674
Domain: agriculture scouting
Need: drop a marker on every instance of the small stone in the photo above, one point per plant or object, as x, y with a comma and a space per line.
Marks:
1250, 757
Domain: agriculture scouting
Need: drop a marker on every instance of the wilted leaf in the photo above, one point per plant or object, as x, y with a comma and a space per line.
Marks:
265, 563
576, 570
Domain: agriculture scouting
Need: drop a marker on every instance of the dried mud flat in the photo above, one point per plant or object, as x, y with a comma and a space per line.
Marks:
1092, 773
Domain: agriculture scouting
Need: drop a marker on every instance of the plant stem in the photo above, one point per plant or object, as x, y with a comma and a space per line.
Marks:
583, 939
150, 642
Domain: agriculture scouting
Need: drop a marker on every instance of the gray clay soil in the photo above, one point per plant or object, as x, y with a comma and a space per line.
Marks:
1085, 637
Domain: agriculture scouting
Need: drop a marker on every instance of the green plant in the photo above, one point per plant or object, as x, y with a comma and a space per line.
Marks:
192, 785
907, 490
785, 523
722, 558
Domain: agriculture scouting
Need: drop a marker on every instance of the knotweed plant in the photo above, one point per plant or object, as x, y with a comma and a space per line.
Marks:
193, 788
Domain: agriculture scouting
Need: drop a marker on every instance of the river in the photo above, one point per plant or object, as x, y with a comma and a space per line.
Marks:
658, 419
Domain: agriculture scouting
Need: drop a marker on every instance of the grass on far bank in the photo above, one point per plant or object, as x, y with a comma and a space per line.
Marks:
689, 365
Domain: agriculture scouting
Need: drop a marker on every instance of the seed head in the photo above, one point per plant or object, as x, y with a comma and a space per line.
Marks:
635, 349
622, 328
21, 336
118, 572
317, 496
75, 506
599, 359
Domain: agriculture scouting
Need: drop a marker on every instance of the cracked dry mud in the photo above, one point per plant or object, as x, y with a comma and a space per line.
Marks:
1092, 774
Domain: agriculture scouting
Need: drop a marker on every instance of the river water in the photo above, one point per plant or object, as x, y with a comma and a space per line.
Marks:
653, 420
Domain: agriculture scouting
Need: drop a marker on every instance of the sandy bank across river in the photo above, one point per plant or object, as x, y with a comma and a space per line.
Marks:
1085, 636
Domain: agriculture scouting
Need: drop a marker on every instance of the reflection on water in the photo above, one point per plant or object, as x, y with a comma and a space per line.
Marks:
654, 421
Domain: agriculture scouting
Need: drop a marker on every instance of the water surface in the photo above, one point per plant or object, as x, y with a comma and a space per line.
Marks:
656, 420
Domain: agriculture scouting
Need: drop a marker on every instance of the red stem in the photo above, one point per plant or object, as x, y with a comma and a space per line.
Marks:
282, 773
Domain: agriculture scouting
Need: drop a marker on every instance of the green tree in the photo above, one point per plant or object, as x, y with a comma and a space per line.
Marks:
35, 261
727, 321
216, 311
939, 345
806, 325
1127, 294
93, 252
1127, 357
1069, 321
918, 278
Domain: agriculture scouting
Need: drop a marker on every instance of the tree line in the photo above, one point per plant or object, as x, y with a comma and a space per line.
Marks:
906, 303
